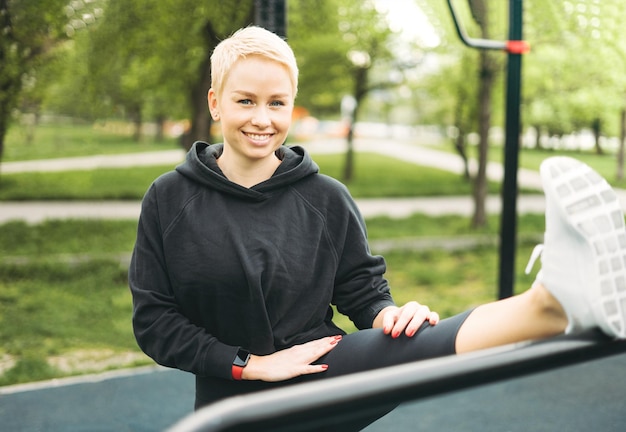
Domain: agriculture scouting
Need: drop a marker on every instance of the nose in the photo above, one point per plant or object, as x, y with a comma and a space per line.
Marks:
261, 117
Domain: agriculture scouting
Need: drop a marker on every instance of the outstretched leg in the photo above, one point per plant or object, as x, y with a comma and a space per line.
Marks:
582, 283
534, 314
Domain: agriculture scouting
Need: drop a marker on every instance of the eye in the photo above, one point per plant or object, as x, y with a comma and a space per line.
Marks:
245, 102
277, 103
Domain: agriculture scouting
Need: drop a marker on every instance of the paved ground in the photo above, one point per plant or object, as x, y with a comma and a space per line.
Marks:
584, 397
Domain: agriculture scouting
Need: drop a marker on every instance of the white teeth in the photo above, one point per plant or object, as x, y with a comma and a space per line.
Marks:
258, 137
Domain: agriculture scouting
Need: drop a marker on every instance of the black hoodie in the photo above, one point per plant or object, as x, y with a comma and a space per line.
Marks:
217, 266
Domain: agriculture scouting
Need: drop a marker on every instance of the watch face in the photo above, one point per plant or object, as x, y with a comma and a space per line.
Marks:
242, 357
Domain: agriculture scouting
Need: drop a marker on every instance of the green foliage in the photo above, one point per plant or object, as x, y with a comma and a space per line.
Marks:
572, 78
449, 282
60, 140
67, 237
48, 308
379, 176
27, 369
313, 34
29, 30
149, 59
64, 295
449, 225
398, 179
104, 184
334, 42
574, 73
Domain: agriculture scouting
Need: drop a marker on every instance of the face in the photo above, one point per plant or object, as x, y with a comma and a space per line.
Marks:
254, 108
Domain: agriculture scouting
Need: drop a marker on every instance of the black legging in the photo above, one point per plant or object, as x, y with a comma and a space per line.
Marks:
357, 352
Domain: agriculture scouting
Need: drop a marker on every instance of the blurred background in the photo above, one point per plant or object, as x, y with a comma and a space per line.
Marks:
87, 78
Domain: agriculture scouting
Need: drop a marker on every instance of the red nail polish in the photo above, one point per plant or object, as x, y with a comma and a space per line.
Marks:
324, 367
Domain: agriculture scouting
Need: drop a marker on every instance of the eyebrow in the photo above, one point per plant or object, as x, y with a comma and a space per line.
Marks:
250, 94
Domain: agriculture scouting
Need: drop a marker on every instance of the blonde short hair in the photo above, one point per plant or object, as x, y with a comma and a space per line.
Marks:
250, 41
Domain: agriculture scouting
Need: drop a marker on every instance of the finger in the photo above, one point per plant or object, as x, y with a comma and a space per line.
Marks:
317, 349
406, 316
313, 350
434, 318
389, 319
420, 316
313, 369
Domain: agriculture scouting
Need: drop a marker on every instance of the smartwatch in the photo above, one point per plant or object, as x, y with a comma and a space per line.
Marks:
240, 362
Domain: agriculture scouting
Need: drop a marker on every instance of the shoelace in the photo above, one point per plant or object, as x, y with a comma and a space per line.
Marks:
533, 257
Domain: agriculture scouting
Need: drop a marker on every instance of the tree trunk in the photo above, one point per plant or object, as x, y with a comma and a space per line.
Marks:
159, 134
459, 144
3, 132
360, 90
137, 120
596, 126
622, 142
5, 113
348, 168
10, 73
487, 77
459, 139
200, 129
538, 145
237, 15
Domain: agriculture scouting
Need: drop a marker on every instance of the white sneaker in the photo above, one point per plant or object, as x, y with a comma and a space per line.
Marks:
583, 262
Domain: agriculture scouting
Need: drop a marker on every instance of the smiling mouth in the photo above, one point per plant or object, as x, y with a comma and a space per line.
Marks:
258, 137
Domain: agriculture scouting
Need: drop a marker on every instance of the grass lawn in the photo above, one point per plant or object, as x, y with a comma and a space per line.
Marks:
68, 140
65, 306
375, 176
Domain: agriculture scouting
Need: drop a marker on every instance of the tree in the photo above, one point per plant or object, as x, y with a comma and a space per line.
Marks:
210, 22
482, 19
30, 30
313, 34
573, 77
489, 68
147, 53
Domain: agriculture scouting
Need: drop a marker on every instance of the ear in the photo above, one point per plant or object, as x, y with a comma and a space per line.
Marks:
213, 105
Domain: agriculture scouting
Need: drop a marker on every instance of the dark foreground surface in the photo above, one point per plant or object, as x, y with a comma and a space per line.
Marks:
588, 396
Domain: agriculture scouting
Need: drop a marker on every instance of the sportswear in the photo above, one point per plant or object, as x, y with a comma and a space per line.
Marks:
217, 267
583, 258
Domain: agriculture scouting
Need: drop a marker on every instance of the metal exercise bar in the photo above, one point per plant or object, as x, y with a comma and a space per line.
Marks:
473, 42
508, 218
311, 406
515, 46
271, 15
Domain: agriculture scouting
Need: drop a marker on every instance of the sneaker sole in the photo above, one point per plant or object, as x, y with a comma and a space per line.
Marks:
592, 208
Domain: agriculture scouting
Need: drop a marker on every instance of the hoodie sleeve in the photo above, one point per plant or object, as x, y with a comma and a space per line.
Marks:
361, 290
161, 330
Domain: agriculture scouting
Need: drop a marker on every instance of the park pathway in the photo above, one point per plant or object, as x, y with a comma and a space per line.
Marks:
36, 211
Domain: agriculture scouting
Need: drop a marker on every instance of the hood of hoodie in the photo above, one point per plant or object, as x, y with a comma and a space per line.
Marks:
200, 166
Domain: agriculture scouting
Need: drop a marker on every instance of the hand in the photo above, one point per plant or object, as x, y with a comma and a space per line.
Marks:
408, 319
291, 362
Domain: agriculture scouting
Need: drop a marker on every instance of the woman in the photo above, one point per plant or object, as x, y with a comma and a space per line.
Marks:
242, 249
